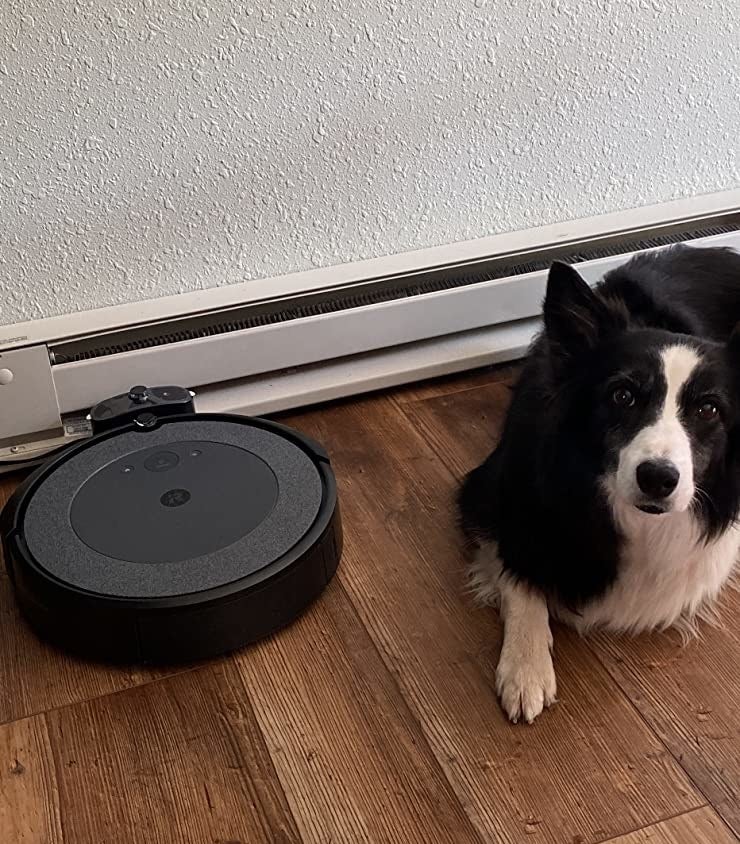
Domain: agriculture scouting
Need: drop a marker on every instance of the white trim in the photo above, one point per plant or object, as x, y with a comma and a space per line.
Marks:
312, 340
167, 307
276, 392
367, 373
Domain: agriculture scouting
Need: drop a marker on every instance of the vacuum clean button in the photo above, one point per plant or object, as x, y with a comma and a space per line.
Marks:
162, 461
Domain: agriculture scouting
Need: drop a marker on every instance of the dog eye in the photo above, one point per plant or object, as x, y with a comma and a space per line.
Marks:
708, 411
623, 397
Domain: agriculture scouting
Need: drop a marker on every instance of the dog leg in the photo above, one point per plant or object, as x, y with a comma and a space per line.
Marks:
525, 677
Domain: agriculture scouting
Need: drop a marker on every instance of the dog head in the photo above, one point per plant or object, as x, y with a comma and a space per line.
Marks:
655, 412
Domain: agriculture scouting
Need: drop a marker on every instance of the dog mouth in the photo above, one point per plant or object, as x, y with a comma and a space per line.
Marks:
652, 509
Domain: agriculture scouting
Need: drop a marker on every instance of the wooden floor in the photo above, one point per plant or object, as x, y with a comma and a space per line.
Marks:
374, 718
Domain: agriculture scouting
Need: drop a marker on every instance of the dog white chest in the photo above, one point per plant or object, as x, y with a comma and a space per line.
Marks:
668, 575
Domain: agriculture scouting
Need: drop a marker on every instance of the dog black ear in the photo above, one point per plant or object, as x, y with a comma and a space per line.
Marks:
575, 317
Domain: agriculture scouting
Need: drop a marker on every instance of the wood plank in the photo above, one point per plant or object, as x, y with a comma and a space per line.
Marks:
586, 771
702, 826
8, 483
689, 695
504, 374
461, 427
353, 760
29, 806
181, 760
35, 677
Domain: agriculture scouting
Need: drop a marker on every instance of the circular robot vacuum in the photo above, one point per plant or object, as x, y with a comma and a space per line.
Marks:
171, 535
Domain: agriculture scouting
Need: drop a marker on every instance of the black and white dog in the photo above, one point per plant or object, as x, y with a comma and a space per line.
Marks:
612, 498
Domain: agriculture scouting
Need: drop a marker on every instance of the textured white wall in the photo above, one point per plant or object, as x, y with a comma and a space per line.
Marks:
153, 146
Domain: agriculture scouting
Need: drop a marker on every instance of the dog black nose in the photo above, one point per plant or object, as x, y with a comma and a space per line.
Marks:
657, 478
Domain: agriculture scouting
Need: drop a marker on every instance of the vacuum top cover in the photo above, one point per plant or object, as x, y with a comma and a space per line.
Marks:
176, 511
184, 508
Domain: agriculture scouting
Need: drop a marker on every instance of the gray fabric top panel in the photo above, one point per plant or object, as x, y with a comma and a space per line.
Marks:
126, 517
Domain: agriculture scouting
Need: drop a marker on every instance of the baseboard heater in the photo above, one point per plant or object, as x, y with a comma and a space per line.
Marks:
309, 345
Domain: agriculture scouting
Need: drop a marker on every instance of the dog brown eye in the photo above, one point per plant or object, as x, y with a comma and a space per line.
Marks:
708, 411
623, 397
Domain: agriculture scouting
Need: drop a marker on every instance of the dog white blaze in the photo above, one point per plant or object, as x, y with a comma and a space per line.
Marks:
665, 439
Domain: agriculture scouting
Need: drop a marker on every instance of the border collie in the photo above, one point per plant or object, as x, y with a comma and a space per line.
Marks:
612, 498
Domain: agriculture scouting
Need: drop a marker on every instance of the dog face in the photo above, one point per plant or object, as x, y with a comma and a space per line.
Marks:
667, 420
655, 411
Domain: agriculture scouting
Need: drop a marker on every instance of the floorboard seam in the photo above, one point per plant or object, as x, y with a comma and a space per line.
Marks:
62, 706
656, 823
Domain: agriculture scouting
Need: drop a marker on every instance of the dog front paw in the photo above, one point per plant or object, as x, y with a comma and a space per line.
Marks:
525, 682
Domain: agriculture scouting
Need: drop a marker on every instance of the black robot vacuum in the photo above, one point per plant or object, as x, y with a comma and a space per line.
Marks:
171, 535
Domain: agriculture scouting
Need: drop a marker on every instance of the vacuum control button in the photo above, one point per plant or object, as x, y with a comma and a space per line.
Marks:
162, 461
138, 394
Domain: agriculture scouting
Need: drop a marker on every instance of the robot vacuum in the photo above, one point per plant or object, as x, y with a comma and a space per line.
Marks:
171, 535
